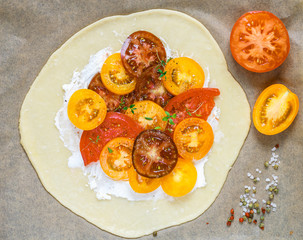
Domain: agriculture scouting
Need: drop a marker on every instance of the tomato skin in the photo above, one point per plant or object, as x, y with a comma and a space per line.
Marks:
86, 109
181, 180
193, 138
142, 184
116, 158
259, 41
275, 109
182, 73
185, 105
114, 76
112, 100
114, 125
140, 51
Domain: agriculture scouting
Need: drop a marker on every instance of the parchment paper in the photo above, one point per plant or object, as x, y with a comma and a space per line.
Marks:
31, 30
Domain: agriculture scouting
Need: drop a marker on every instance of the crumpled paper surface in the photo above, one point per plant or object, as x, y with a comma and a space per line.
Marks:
31, 30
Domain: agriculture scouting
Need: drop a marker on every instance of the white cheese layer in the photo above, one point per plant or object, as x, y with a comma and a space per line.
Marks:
98, 181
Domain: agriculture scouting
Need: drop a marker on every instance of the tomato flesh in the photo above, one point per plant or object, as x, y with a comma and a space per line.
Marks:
114, 125
142, 184
275, 109
140, 51
259, 41
116, 158
114, 102
181, 180
154, 154
86, 109
197, 102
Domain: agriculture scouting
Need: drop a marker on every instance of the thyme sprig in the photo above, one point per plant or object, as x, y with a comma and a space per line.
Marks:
131, 107
169, 118
96, 141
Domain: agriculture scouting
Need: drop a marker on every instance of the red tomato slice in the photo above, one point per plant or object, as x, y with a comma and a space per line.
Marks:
259, 41
197, 102
114, 102
140, 51
114, 125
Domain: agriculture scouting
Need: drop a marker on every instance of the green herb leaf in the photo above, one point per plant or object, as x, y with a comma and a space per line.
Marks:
165, 118
198, 115
131, 106
174, 116
171, 122
157, 128
168, 60
109, 150
167, 113
148, 118
125, 108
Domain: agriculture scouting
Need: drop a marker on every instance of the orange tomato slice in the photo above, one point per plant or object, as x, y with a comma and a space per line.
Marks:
182, 74
148, 114
275, 109
116, 158
193, 138
86, 109
142, 184
181, 180
114, 76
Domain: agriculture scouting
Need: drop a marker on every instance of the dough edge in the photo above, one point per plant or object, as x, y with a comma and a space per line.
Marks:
103, 219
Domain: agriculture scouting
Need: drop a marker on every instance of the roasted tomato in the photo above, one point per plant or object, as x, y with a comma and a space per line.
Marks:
150, 87
148, 114
114, 125
193, 138
114, 102
140, 51
182, 74
154, 154
114, 76
142, 184
181, 180
86, 109
259, 41
197, 102
275, 109
116, 158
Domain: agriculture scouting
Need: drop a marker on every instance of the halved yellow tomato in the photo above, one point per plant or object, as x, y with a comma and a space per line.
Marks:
114, 76
142, 184
148, 114
181, 180
86, 109
182, 74
193, 138
275, 109
116, 158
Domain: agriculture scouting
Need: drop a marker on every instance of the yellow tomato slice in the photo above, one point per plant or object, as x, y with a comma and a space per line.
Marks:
193, 138
182, 74
275, 109
86, 109
116, 158
114, 76
142, 184
181, 180
148, 114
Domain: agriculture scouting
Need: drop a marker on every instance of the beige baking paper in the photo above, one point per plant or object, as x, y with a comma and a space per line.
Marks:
40, 137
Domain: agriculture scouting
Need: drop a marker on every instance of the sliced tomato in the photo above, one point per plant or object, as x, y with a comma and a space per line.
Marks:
86, 109
181, 180
275, 109
114, 125
197, 102
182, 74
114, 76
142, 184
259, 41
114, 102
155, 154
148, 114
116, 158
140, 51
150, 87
193, 138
